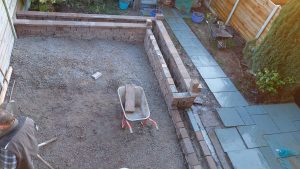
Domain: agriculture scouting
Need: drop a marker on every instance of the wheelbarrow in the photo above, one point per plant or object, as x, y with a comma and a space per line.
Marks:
141, 113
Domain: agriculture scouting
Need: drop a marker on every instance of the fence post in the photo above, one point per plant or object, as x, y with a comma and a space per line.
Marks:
232, 11
9, 19
267, 21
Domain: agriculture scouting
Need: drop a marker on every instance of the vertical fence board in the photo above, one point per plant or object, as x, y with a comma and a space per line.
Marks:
249, 15
6, 36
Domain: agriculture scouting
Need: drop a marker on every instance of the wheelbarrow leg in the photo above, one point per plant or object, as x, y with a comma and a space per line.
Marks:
144, 122
154, 123
123, 122
129, 126
126, 123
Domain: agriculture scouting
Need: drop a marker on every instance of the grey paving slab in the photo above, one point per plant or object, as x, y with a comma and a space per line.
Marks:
186, 34
284, 122
230, 117
283, 140
193, 121
248, 159
245, 116
297, 124
230, 99
230, 139
255, 109
252, 136
290, 162
220, 85
297, 136
270, 158
290, 110
191, 51
189, 42
211, 72
203, 61
265, 123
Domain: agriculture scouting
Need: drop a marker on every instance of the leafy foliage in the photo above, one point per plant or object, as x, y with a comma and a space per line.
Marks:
280, 50
270, 81
84, 6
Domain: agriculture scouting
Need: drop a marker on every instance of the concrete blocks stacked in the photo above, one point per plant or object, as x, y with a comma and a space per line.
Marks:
160, 67
189, 88
128, 32
36, 15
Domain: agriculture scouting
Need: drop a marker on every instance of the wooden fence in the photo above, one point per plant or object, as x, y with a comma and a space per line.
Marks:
7, 38
251, 18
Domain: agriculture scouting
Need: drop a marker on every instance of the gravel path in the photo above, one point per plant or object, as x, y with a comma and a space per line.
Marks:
55, 88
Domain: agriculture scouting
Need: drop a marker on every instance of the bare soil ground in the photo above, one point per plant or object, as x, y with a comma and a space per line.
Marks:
55, 88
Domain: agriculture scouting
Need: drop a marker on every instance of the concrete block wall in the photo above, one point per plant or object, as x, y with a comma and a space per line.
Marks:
128, 32
180, 73
174, 97
36, 15
160, 67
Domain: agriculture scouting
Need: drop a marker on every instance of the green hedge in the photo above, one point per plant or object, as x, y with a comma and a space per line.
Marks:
280, 50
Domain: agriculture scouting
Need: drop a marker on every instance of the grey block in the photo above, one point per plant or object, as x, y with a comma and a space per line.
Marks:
283, 140
230, 139
211, 72
220, 85
245, 116
248, 159
230, 117
230, 99
252, 136
265, 123
270, 158
256, 109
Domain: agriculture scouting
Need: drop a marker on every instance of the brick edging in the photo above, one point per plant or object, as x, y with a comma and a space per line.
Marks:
185, 141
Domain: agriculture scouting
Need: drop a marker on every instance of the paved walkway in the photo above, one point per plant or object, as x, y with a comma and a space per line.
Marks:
252, 133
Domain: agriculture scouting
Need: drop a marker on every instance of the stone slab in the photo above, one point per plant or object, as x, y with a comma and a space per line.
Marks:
230, 139
203, 60
220, 85
297, 124
256, 109
291, 110
291, 162
270, 158
245, 116
211, 72
230, 117
252, 136
265, 123
248, 159
284, 122
283, 140
230, 99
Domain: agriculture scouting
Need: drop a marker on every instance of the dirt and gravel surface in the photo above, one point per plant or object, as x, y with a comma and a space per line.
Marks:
55, 88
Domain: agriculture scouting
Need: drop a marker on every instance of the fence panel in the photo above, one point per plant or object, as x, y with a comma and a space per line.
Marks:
250, 17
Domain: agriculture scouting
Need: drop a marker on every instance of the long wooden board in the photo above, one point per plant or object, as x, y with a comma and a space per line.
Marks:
129, 98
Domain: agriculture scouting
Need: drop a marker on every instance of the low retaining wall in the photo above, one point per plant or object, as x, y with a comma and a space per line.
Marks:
174, 96
131, 32
35, 15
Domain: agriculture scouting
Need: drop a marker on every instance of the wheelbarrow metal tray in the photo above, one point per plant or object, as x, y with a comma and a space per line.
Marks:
142, 111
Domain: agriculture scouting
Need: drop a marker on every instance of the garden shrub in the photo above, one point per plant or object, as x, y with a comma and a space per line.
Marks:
280, 50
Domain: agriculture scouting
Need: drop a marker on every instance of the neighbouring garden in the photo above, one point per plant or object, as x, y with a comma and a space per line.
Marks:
80, 6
